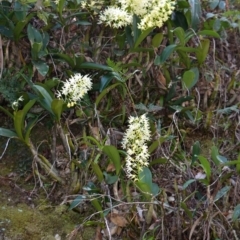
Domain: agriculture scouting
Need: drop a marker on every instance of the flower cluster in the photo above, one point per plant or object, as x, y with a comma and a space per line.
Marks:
115, 17
134, 141
153, 13
74, 89
93, 6
158, 13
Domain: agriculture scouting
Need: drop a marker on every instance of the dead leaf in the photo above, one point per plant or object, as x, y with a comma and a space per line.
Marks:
119, 231
95, 132
98, 235
110, 168
161, 79
118, 220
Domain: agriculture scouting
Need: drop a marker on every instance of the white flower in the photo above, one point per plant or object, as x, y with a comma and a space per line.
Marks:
93, 6
153, 13
115, 17
138, 7
135, 143
157, 13
74, 89
15, 104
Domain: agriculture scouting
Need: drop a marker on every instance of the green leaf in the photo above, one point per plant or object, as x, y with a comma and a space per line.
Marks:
136, 31
214, 154
221, 159
179, 32
210, 15
43, 16
190, 78
221, 193
182, 4
77, 201
36, 47
33, 34
29, 127
217, 25
7, 32
91, 223
51, 83
157, 39
41, 66
113, 154
129, 36
187, 183
187, 49
145, 176
105, 92
238, 164
45, 98
7, 133
121, 39
188, 35
214, 4
155, 189
236, 213
96, 204
70, 60
142, 36
206, 166
109, 179
138, 50
208, 33
60, 7
156, 144
158, 161
45, 40
145, 189
20, 11
165, 54
92, 139
6, 112
19, 118
97, 170
184, 58
57, 108
196, 13
90, 188
20, 26
195, 152
95, 66
202, 52
222, 5
43, 92
105, 81
186, 210
180, 18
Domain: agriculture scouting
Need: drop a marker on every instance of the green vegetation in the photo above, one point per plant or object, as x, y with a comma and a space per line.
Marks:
138, 106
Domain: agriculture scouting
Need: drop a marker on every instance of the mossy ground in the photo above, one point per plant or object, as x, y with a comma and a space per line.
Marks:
26, 212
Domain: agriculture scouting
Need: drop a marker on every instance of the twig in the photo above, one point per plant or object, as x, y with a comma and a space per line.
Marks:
109, 233
5, 148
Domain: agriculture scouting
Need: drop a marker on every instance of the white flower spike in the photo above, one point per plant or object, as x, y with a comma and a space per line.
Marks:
74, 89
135, 144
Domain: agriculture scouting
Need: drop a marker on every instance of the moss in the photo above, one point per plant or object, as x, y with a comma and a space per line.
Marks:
23, 222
